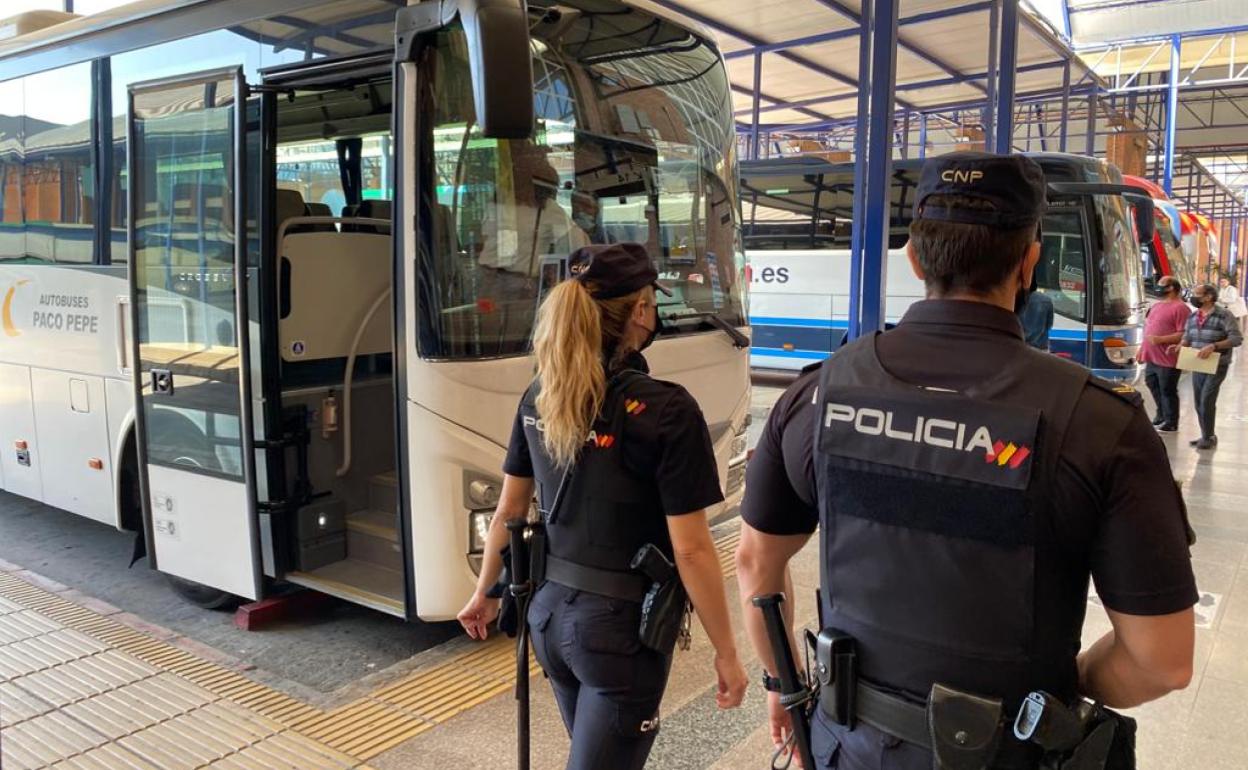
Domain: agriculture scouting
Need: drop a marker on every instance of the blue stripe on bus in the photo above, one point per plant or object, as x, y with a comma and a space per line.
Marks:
1130, 334
814, 323
795, 338
810, 355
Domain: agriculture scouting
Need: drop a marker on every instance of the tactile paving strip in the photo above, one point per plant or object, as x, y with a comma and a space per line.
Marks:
80, 690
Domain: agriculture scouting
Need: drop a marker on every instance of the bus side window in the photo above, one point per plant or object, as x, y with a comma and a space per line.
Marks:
1062, 270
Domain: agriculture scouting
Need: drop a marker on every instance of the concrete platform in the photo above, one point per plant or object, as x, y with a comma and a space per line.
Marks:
84, 684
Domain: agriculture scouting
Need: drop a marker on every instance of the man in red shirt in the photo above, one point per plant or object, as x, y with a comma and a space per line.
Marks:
1163, 328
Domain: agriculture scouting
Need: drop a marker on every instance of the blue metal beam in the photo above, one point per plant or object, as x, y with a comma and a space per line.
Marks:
758, 86
872, 207
1007, 70
754, 40
989, 110
1065, 118
795, 107
1172, 115
1090, 149
796, 42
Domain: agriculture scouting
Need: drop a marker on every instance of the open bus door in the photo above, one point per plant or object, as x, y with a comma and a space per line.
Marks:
188, 270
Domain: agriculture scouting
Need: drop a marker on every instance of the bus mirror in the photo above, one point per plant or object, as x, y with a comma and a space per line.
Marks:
1145, 221
501, 62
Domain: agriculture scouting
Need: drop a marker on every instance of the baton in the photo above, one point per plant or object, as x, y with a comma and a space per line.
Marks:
522, 589
794, 694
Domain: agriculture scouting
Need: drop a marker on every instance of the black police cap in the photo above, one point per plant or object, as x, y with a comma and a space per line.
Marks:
614, 269
1013, 184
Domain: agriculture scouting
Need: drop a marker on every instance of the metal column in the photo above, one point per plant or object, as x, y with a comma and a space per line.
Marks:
1091, 138
905, 136
872, 200
994, 52
1172, 117
758, 87
1007, 70
1061, 142
922, 135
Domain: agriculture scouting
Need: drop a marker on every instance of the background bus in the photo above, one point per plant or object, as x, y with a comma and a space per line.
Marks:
1164, 254
314, 265
797, 214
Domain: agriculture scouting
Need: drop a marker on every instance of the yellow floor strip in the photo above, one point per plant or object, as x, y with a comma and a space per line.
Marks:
89, 680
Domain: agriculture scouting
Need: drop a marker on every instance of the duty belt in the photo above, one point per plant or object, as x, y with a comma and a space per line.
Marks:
626, 586
885, 712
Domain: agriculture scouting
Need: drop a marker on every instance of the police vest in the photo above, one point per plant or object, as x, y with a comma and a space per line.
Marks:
607, 510
933, 514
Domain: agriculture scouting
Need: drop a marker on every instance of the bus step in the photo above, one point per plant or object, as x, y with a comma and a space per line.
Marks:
373, 537
383, 492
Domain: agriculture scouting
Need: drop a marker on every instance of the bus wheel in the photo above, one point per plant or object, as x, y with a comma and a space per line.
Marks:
202, 596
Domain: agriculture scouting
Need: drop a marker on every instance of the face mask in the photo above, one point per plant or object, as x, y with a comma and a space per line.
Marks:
658, 326
1198, 303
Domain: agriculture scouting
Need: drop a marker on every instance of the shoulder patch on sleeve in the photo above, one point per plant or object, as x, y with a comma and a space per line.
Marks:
1122, 390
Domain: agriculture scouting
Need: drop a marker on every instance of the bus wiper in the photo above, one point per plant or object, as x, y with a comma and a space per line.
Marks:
739, 340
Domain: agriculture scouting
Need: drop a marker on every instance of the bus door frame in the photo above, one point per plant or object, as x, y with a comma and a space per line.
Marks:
238, 571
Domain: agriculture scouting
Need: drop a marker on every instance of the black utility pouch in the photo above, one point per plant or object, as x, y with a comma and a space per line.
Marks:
965, 729
836, 670
664, 606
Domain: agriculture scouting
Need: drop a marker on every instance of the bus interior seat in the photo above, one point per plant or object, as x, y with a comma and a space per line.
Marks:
328, 280
315, 209
373, 208
289, 204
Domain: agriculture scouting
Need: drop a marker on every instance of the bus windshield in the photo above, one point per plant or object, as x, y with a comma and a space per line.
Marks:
634, 142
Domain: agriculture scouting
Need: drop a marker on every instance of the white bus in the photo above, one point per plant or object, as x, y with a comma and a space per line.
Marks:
797, 214
378, 194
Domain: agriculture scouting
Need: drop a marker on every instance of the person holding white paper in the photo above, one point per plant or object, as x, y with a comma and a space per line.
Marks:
1210, 330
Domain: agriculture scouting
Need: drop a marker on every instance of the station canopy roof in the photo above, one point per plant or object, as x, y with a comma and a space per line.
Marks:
809, 51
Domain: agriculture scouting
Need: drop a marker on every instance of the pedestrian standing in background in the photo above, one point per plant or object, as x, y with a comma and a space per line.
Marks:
1163, 328
1037, 318
1230, 299
1211, 330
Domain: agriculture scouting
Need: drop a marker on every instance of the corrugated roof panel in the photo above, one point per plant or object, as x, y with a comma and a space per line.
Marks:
770, 20
1094, 21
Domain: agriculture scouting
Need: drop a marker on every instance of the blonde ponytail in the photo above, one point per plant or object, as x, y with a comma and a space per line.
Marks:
572, 333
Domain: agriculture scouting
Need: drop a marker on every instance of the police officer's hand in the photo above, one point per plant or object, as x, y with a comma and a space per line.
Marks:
478, 614
732, 681
1206, 351
781, 725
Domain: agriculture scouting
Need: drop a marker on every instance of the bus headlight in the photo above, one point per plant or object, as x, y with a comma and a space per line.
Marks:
1118, 351
478, 530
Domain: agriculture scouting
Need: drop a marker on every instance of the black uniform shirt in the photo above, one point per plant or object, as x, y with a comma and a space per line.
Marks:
1119, 513
668, 441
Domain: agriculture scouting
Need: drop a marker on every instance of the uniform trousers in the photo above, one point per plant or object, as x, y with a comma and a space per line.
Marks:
607, 684
1205, 388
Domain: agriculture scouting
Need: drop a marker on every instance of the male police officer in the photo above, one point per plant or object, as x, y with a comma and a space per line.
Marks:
965, 487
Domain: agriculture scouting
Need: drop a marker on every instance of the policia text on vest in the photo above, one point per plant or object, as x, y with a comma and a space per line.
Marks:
965, 489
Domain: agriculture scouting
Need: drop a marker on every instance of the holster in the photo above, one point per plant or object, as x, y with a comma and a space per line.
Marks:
1109, 745
965, 729
662, 615
509, 619
508, 612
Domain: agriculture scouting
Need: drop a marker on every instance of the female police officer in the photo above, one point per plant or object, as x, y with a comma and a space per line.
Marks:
643, 477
